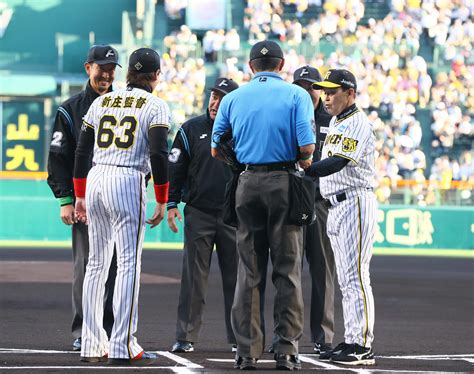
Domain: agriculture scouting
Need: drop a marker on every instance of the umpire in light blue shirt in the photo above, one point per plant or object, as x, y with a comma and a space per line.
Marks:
271, 126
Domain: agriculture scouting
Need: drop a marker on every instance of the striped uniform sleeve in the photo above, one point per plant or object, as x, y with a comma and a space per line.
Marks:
161, 116
354, 138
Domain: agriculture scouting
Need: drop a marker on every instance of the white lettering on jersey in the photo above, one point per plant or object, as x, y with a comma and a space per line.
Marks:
57, 137
174, 155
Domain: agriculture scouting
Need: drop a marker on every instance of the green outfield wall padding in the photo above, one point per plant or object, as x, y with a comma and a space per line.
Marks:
29, 212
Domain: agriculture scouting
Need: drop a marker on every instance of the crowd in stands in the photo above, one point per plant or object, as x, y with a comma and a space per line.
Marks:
182, 87
394, 80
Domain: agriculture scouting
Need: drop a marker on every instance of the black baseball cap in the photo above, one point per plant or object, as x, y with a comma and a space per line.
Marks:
307, 73
102, 55
337, 78
144, 60
266, 48
224, 85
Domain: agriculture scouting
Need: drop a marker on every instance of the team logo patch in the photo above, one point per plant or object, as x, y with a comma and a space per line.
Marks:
174, 155
138, 66
349, 145
264, 51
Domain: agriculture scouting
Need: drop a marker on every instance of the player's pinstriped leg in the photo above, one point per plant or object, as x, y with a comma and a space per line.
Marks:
94, 337
368, 207
353, 267
129, 237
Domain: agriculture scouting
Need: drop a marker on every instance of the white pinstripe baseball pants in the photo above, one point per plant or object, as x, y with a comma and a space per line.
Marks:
351, 229
115, 203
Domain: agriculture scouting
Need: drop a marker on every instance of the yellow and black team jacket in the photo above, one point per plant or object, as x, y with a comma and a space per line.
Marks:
196, 178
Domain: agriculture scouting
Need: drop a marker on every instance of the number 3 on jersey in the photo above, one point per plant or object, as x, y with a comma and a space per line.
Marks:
106, 135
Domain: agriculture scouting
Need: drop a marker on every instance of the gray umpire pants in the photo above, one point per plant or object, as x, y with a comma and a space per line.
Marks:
201, 231
80, 253
322, 268
262, 202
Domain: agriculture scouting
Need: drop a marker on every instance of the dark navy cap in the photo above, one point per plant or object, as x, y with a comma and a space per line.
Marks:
144, 60
307, 73
337, 78
102, 55
266, 48
224, 85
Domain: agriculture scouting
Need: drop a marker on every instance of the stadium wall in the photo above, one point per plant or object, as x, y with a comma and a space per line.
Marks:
30, 217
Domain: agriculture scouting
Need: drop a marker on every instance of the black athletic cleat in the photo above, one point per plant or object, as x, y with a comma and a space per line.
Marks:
322, 348
182, 347
143, 359
326, 356
287, 362
354, 354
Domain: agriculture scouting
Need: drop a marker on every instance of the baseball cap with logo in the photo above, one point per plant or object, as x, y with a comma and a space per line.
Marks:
144, 60
102, 55
265, 48
337, 78
224, 85
307, 73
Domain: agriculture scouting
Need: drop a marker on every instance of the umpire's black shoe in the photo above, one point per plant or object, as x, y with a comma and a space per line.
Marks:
287, 362
182, 347
104, 358
322, 348
245, 363
326, 356
76, 344
354, 354
142, 359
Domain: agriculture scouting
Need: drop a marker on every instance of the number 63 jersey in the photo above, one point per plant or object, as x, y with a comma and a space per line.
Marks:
120, 121
350, 136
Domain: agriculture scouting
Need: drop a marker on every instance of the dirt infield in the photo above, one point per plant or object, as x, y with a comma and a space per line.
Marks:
424, 316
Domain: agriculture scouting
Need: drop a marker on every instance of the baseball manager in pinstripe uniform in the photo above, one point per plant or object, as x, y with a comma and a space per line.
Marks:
347, 171
128, 131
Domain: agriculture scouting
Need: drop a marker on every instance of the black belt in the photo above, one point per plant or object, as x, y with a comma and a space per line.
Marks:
339, 198
271, 167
